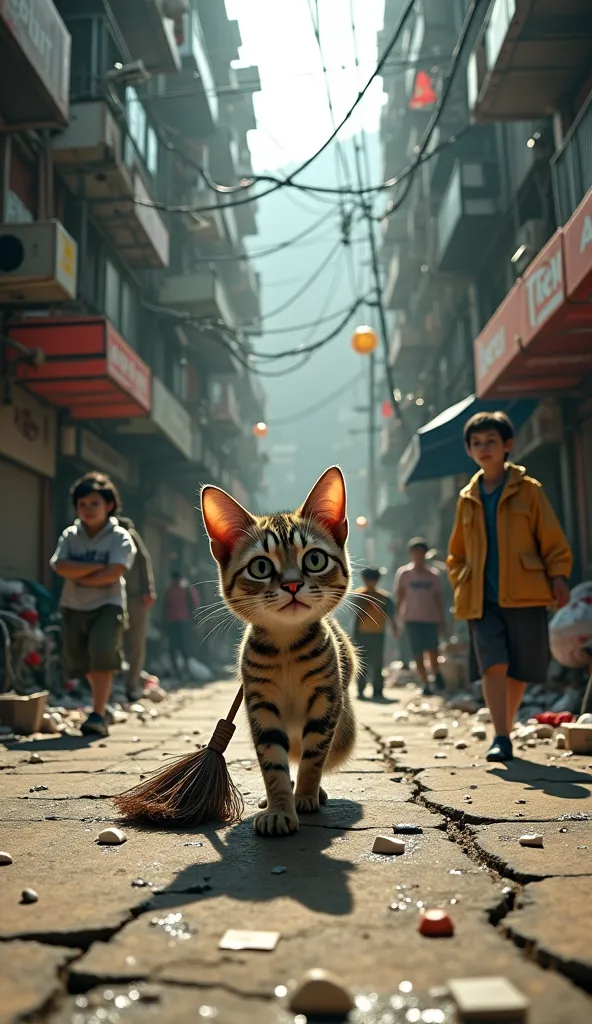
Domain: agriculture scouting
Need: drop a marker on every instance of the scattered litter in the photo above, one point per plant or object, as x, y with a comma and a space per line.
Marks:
279, 869
440, 755
478, 732
560, 741
35, 759
237, 939
111, 837
394, 742
193, 844
38, 789
141, 883
29, 896
156, 694
320, 993
483, 715
435, 923
544, 732
461, 745
531, 839
585, 719
150, 994
5, 858
407, 829
491, 998
439, 732
388, 845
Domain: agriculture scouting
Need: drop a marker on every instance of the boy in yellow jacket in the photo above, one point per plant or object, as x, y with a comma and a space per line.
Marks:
508, 561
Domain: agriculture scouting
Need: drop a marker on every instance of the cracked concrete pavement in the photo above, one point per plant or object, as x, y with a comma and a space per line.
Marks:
100, 943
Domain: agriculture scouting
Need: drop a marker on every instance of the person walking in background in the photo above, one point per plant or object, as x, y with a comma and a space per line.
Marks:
420, 606
180, 602
92, 556
508, 561
373, 609
141, 595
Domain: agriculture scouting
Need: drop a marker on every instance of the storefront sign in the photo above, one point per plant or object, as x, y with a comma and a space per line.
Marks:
498, 344
101, 455
543, 286
127, 369
170, 417
577, 243
28, 432
45, 41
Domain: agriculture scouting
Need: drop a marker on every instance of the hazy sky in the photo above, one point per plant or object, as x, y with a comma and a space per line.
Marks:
291, 109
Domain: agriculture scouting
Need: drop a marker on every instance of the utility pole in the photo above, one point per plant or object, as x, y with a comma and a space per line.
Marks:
371, 535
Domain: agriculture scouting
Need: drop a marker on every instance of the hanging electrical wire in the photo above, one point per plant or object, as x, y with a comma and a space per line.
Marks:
318, 406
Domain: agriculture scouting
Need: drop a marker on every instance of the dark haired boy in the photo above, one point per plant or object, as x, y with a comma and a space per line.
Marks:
420, 604
92, 556
509, 560
373, 608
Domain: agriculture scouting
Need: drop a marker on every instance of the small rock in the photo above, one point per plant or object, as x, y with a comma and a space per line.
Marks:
585, 719
35, 759
5, 858
531, 839
439, 732
544, 732
320, 993
111, 837
560, 742
150, 994
38, 789
531, 743
478, 732
482, 715
279, 869
460, 745
468, 799
137, 708
388, 845
435, 923
440, 755
156, 694
48, 723
401, 716
29, 896
395, 742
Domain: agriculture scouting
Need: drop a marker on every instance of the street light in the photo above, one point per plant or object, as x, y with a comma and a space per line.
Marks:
364, 340
361, 522
260, 429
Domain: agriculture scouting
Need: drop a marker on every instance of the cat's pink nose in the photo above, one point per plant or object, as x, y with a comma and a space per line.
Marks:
292, 588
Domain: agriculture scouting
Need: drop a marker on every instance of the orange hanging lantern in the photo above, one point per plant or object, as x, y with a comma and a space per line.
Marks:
364, 340
423, 92
386, 409
260, 429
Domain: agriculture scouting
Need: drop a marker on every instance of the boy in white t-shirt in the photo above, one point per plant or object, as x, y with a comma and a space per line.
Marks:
420, 605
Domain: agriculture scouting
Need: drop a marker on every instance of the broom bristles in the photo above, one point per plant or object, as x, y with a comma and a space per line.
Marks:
194, 789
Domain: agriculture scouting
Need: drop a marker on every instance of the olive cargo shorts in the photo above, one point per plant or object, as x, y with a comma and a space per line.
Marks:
92, 640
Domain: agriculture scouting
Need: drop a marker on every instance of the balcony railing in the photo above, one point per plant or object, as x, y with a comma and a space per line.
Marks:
572, 165
468, 207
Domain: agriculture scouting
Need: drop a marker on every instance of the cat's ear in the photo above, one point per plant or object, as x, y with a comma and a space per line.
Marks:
226, 522
326, 504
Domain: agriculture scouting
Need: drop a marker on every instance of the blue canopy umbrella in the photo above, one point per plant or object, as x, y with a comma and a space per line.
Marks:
438, 450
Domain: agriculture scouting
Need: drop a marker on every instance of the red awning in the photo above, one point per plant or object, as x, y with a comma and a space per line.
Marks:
577, 249
540, 339
88, 369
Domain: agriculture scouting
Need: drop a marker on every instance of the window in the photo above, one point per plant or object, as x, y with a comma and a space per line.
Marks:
136, 116
129, 314
112, 293
152, 152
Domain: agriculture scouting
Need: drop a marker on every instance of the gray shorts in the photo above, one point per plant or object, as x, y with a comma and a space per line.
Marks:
422, 636
516, 637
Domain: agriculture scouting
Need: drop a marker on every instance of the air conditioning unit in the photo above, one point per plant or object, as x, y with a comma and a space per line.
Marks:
38, 263
530, 239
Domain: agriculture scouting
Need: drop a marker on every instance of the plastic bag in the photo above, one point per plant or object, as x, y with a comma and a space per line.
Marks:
571, 628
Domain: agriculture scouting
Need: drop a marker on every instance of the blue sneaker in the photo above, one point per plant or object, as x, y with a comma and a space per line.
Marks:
95, 725
500, 750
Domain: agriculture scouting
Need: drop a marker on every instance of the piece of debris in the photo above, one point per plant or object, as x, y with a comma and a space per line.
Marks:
439, 732
440, 755
491, 998
478, 732
388, 845
29, 896
156, 694
483, 715
320, 993
531, 839
407, 829
236, 939
279, 869
395, 742
35, 759
435, 923
544, 732
460, 745
111, 837
150, 994
38, 789
5, 858
560, 741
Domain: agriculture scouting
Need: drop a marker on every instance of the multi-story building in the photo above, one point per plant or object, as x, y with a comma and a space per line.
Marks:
478, 256
122, 319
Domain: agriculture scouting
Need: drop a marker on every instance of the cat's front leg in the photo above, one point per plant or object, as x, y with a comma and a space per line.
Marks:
279, 818
316, 741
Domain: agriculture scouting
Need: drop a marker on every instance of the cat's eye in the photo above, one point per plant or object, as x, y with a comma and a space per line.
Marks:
261, 568
315, 560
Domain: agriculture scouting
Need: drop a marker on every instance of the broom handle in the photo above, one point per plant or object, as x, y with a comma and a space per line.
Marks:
235, 705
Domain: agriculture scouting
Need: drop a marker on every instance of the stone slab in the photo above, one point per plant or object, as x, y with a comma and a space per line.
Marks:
532, 777
552, 920
15, 810
173, 1004
61, 786
30, 978
498, 802
567, 849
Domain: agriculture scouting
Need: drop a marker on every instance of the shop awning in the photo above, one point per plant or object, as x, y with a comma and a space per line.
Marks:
540, 338
88, 368
437, 450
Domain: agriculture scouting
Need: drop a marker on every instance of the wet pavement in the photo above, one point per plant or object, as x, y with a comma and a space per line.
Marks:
130, 932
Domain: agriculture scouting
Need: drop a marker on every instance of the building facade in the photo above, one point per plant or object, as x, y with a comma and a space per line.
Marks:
122, 321
485, 263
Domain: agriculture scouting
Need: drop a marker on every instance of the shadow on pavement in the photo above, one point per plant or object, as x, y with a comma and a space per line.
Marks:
55, 743
312, 877
557, 780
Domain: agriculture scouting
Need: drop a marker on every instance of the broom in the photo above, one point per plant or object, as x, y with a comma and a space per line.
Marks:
193, 789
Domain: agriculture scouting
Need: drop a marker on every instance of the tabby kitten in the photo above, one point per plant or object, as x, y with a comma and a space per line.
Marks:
283, 575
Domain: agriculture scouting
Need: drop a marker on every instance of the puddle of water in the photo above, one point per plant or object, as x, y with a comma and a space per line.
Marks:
174, 926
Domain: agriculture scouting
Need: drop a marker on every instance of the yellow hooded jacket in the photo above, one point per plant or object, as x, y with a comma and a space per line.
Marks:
532, 546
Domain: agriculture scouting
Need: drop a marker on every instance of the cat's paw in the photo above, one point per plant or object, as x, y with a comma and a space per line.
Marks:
275, 823
307, 804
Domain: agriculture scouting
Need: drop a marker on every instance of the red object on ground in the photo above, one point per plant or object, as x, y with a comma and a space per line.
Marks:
33, 659
555, 718
436, 923
29, 615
